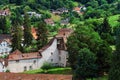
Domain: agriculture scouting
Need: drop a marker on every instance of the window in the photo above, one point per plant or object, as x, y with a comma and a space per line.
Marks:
30, 67
51, 60
59, 58
17, 61
34, 61
25, 68
51, 53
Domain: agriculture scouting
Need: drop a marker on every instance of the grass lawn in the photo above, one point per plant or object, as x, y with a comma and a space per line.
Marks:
55, 18
51, 71
113, 20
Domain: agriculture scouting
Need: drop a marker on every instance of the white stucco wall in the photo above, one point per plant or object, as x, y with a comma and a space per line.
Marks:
18, 66
63, 58
1, 67
51, 54
4, 48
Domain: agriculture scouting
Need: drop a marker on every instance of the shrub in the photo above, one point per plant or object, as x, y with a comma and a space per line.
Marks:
46, 66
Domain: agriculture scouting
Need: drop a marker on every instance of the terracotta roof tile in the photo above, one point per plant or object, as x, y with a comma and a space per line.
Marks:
19, 76
34, 32
17, 55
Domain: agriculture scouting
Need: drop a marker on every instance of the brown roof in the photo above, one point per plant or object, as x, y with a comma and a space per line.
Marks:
65, 33
6, 37
49, 21
20, 76
17, 55
77, 9
34, 32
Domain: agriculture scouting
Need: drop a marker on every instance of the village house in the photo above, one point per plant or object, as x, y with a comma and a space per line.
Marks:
65, 21
55, 52
4, 12
59, 11
49, 21
80, 10
5, 42
33, 14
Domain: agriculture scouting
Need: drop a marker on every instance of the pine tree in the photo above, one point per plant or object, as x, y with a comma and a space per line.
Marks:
16, 38
115, 66
42, 35
3, 25
16, 34
106, 26
27, 31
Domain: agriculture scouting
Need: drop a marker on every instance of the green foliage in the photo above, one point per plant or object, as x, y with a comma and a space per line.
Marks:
86, 37
16, 38
4, 25
42, 34
86, 66
54, 70
27, 31
115, 66
46, 66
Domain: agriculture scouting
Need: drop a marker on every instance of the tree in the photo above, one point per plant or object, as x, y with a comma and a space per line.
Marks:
106, 28
42, 34
86, 66
86, 37
16, 38
27, 30
4, 27
16, 34
115, 66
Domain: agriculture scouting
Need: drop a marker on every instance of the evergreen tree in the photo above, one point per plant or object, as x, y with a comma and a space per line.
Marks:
42, 35
16, 34
16, 38
115, 67
27, 31
105, 26
3, 25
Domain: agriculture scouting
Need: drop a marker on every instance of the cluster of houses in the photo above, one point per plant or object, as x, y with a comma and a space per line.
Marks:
55, 52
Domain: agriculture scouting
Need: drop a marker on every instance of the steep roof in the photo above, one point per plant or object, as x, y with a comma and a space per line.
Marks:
47, 46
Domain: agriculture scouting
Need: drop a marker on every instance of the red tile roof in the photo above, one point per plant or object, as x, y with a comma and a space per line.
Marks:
6, 37
34, 33
65, 33
19, 76
17, 55
77, 9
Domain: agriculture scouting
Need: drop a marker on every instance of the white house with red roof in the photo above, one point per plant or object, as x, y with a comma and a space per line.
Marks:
54, 52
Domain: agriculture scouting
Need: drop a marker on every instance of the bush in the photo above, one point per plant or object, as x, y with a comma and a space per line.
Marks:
46, 66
